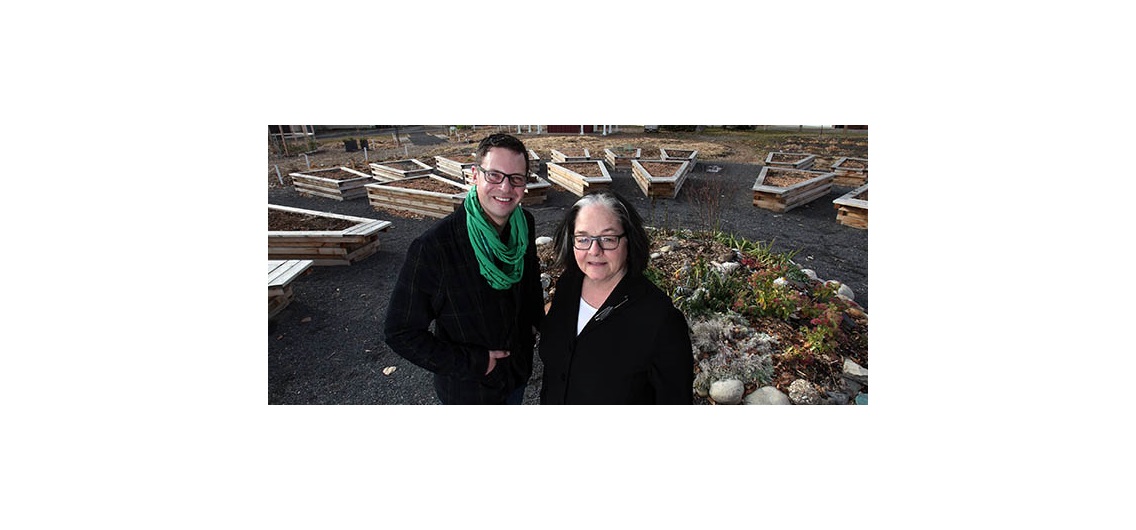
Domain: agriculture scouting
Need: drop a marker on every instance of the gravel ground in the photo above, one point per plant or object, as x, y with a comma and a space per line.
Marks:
327, 346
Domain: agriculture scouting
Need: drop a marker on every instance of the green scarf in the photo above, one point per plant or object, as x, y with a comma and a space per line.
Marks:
487, 244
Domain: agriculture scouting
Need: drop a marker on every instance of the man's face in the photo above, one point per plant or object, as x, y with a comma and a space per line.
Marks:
499, 200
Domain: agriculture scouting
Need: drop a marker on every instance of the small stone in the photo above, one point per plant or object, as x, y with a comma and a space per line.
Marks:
729, 266
802, 392
855, 372
545, 280
767, 395
810, 273
543, 240
666, 249
862, 399
837, 398
389, 370
728, 392
846, 291
655, 255
780, 282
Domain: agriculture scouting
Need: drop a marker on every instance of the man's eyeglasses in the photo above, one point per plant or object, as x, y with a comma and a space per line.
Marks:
606, 242
496, 177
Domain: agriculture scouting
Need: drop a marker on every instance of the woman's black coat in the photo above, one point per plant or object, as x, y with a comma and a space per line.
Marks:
635, 350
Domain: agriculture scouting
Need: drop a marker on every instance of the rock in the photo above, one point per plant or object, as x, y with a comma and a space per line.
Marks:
728, 392
855, 372
802, 392
666, 249
810, 273
767, 395
728, 267
543, 240
780, 282
851, 387
837, 398
545, 280
862, 399
846, 292
655, 255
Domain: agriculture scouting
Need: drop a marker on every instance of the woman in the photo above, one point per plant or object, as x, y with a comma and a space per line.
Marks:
611, 336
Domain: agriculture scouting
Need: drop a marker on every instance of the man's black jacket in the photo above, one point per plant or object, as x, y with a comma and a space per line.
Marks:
440, 283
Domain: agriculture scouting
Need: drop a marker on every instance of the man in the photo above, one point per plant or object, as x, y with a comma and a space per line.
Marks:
476, 277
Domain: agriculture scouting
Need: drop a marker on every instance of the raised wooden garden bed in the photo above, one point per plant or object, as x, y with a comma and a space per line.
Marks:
782, 189
536, 192
280, 276
455, 166
430, 195
852, 208
660, 178
792, 160
621, 158
679, 154
333, 239
534, 165
579, 177
850, 171
399, 169
571, 155
339, 183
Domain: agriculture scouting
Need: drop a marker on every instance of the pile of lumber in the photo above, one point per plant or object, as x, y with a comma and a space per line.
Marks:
397, 195
621, 159
280, 276
806, 187
849, 171
791, 160
574, 155
662, 186
455, 166
399, 169
326, 247
339, 183
565, 175
852, 208
679, 154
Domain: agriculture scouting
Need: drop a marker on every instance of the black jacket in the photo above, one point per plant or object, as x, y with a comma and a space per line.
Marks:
638, 353
440, 283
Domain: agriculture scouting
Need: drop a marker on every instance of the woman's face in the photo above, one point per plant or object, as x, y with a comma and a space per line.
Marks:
597, 263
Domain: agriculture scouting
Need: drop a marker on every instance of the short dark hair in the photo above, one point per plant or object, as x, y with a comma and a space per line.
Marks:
638, 246
504, 141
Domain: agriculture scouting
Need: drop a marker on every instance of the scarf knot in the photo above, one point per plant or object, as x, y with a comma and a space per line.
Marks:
487, 244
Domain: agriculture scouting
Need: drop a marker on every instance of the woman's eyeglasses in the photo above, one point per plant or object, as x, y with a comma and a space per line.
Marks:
496, 177
606, 242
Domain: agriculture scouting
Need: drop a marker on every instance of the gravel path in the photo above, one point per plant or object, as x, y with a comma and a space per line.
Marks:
327, 346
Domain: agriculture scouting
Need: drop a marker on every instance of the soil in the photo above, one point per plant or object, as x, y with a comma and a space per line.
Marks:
293, 221
327, 347
784, 180
333, 174
661, 169
852, 164
787, 158
586, 169
425, 184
